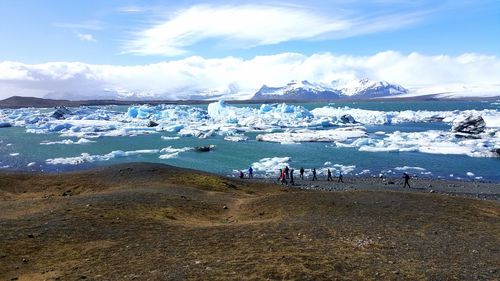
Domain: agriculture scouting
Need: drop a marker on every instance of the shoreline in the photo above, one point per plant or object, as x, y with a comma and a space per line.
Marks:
469, 189
478, 189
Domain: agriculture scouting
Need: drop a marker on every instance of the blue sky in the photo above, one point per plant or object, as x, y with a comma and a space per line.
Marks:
99, 32
179, 49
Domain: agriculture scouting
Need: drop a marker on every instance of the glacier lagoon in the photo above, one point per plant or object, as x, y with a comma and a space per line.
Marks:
359, 138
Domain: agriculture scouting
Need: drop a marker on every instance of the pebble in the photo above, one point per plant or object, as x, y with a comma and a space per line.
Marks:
225, 207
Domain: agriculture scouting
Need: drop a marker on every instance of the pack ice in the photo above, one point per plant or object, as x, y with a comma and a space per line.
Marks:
280, 122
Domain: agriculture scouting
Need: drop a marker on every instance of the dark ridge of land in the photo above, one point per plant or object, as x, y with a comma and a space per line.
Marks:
155, 222
20, 102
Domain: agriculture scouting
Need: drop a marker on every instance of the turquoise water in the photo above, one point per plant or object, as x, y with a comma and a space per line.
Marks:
229, 156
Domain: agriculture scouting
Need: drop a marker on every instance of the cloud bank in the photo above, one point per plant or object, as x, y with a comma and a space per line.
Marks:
197, 77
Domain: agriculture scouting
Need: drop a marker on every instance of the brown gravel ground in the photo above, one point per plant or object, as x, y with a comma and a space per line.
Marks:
155, 222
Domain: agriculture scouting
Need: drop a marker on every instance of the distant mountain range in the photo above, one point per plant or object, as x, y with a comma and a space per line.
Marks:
337, 89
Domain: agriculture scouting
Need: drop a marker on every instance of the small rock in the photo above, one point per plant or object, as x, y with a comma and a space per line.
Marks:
31, 236
390, 182
88, 205
152, 123
25, 260
431, 191
225, 207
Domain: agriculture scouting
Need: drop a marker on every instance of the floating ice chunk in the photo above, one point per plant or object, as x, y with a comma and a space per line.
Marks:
435, 142
470, 174
86, 157
170, 152
306, 135
14, 154
80, 141
31, 164
236, 138
169, 138
406, 168
270, 166
327, 163
346, 169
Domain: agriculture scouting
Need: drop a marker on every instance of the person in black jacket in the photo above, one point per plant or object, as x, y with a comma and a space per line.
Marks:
407, 180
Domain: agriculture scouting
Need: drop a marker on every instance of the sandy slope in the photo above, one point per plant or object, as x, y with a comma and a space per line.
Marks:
155, 222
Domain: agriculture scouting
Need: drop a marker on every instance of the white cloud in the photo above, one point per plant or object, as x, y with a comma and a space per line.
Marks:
254, 25
85, 37
186, 78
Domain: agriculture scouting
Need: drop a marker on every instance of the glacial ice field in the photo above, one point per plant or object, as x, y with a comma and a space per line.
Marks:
357, 138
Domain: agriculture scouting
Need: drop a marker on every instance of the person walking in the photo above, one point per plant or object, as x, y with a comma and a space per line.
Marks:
341, 176
281, 173
407, 180
301, 173
250, 173
287, 172
314, 174
291, 177
329, 175
241, 174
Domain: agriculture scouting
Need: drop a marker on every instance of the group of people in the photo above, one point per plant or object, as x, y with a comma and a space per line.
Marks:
287, 173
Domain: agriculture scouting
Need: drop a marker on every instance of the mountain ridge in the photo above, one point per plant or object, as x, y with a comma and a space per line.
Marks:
337, 89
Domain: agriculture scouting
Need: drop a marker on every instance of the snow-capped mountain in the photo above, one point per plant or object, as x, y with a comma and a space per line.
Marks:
337, 89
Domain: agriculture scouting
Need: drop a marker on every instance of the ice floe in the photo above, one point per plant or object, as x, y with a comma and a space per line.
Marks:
433, 141
86, 157
67, 141
307, 135
170, 152
270, 166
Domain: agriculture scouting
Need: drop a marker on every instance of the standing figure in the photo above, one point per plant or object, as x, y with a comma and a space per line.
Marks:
291, 177
241, 174
341, 176
329, 176
314, 174
301, 173
283, 178
287, 172
281, 173
250, 172
407, 180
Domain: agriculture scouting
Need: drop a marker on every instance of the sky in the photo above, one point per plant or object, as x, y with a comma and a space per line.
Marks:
176, 49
